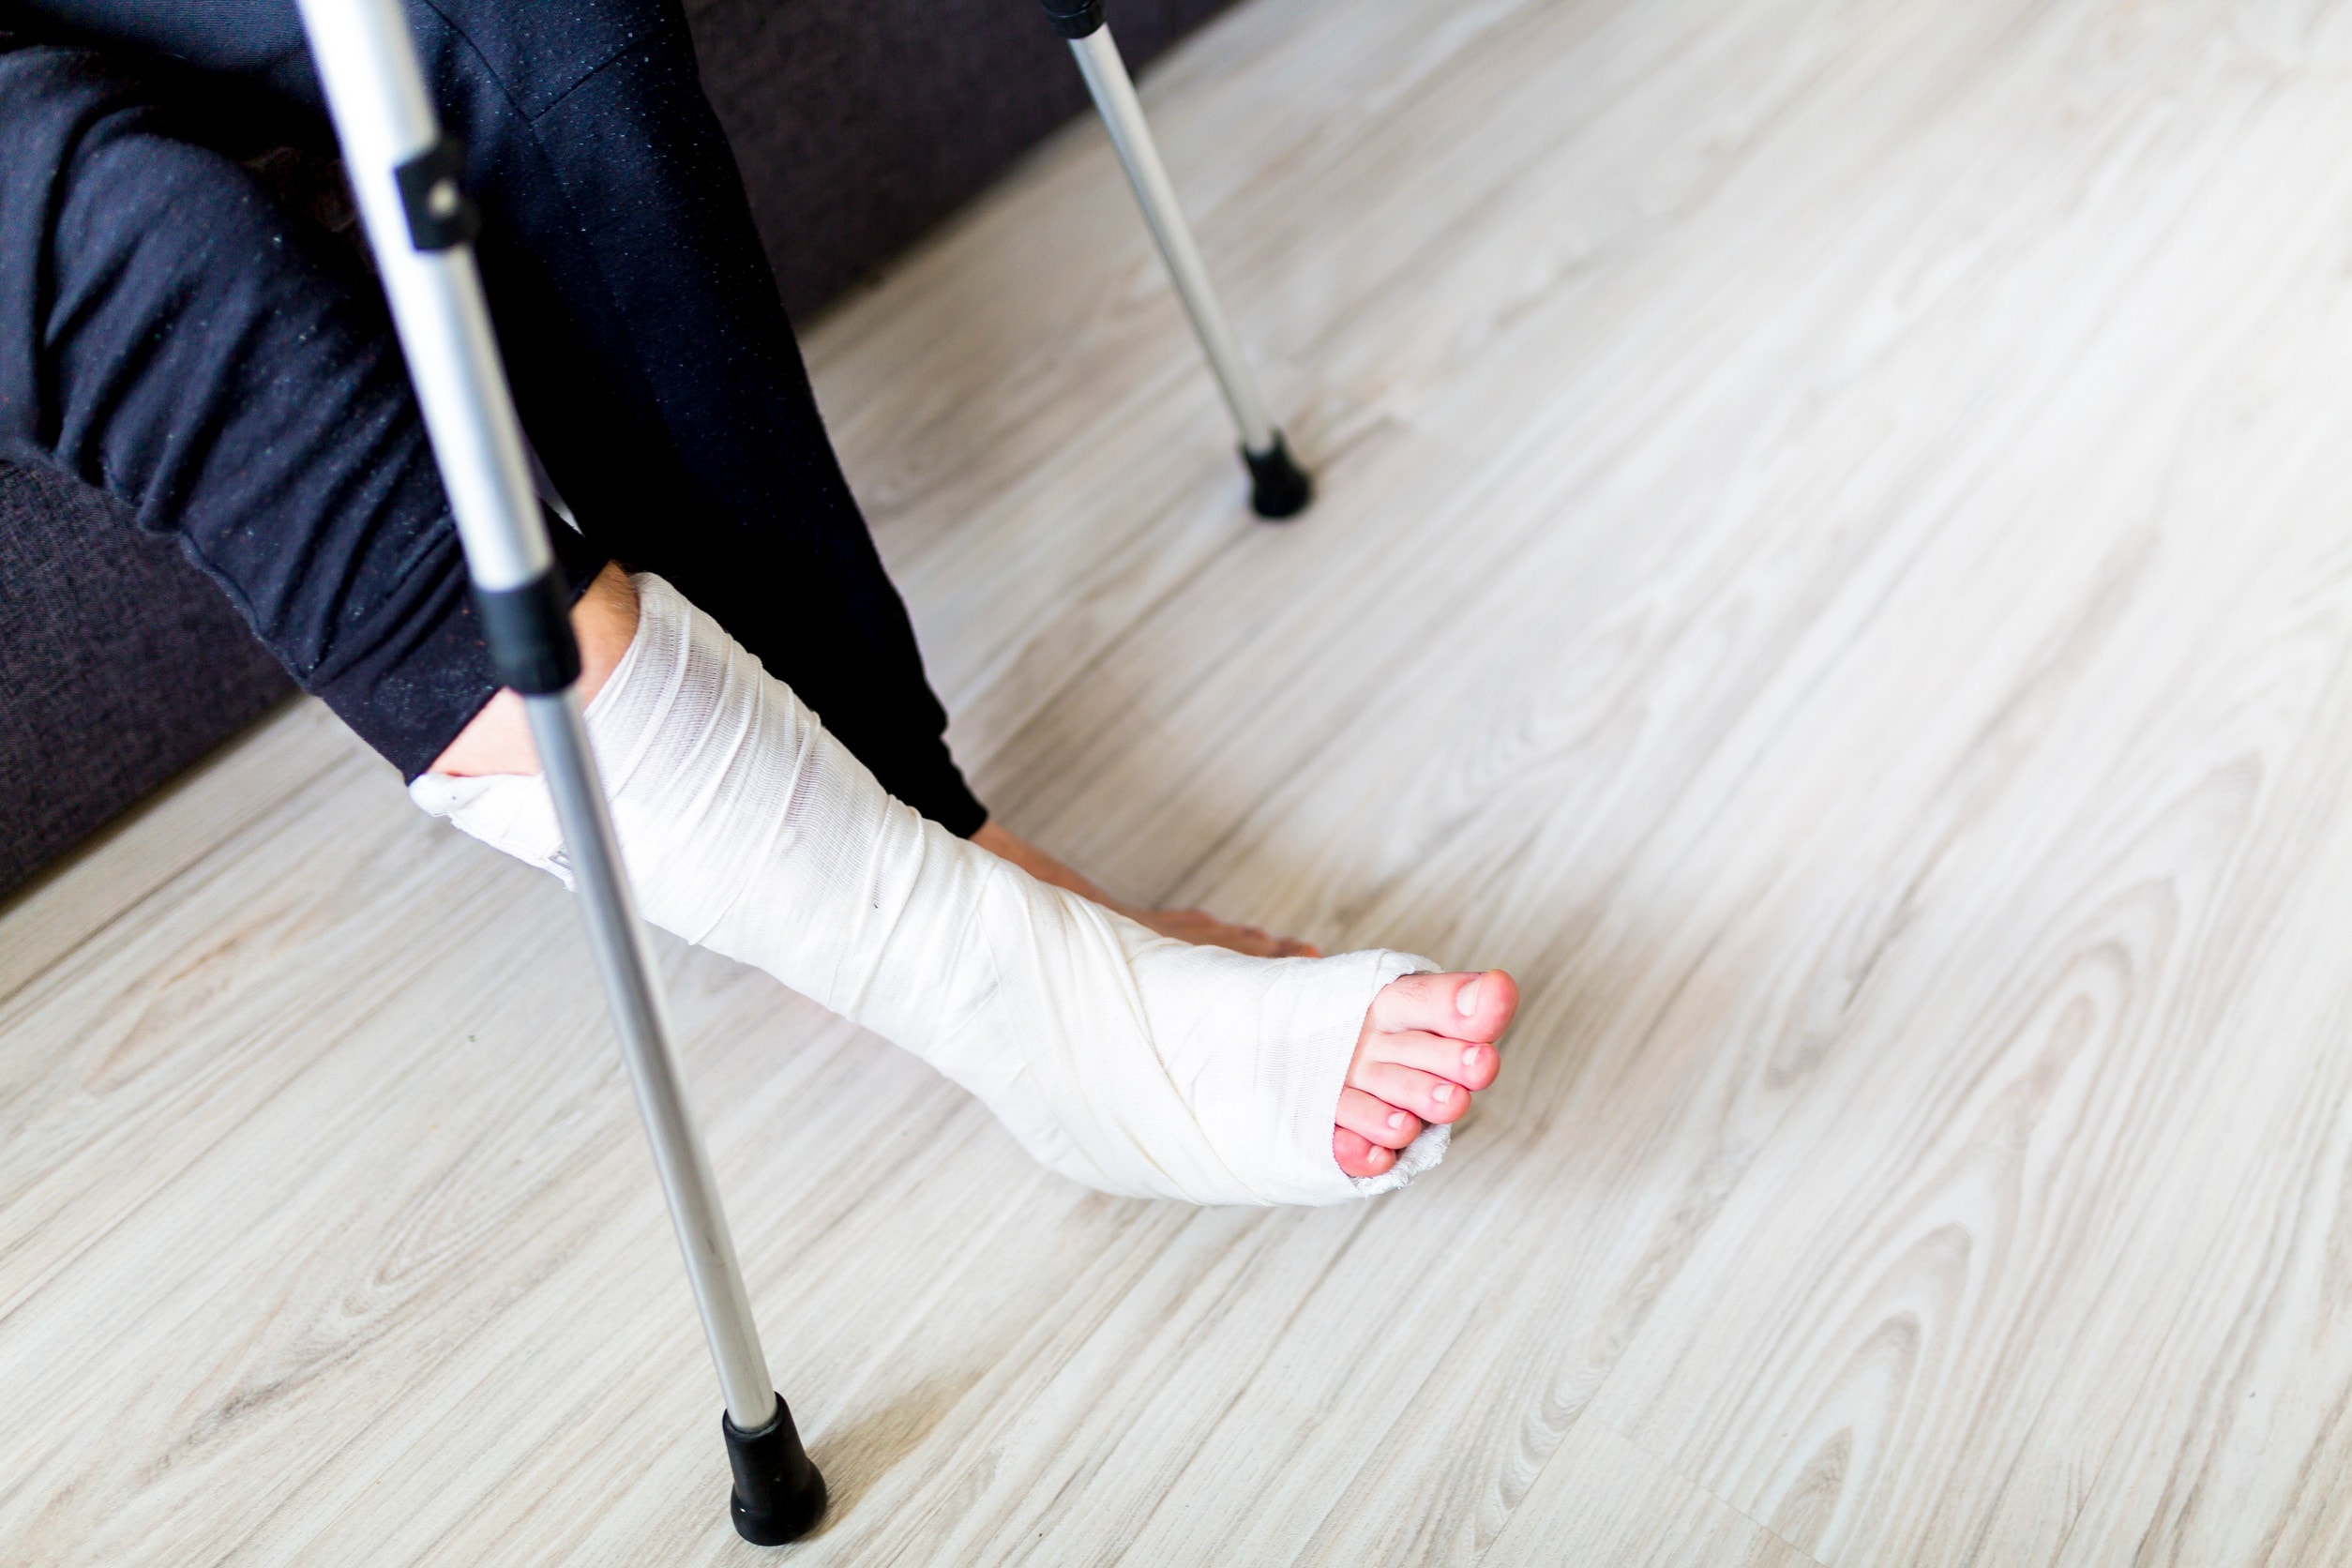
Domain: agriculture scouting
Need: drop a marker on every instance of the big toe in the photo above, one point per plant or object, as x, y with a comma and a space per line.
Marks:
1459, 1006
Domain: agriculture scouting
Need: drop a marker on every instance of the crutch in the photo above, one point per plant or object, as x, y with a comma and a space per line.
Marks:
419, 220
1278, 487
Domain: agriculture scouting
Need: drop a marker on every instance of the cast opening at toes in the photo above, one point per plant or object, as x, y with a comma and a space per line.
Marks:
1426, 1048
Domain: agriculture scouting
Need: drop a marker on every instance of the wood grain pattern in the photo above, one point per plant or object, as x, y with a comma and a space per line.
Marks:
1601, 1499
1830, 565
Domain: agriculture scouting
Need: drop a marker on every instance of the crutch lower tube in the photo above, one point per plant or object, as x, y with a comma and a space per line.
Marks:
1279, 487
420, 225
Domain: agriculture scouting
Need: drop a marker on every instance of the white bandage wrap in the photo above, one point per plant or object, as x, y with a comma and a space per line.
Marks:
1122, 1059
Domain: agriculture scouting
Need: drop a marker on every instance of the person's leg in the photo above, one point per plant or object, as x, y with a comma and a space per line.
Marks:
652, 361
168, 333
1122, 1059
627, 259
627, 236
650, 357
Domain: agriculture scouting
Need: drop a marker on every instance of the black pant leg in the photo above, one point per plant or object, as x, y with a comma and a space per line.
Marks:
167, 332
628, 262
653, 364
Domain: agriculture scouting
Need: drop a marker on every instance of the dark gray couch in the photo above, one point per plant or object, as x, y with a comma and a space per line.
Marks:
858, 125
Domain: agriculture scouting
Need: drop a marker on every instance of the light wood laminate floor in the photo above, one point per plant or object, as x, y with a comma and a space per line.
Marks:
1834, 565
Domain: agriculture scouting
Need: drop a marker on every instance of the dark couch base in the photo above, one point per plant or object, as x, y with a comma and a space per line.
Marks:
859, 126
123, 665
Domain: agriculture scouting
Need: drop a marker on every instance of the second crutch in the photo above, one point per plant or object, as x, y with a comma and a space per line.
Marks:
420, 225
1278, 487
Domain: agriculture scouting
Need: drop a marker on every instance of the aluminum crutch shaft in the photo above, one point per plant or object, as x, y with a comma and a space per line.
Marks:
420, 224
1278, 487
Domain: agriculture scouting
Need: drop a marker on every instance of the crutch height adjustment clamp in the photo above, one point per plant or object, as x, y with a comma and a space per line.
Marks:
529, 630
440, 213
1278, 487
1075, 19
778, 1495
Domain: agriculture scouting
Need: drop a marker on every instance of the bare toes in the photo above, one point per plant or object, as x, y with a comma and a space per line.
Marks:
1408, 1089
1375, 1120
1357, 1157
1471, 1064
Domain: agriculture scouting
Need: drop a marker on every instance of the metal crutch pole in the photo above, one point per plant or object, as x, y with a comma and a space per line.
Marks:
405, 174
1279, 487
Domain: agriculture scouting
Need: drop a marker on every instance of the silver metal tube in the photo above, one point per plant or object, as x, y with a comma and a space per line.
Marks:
1106, 77
618, 936
376, 94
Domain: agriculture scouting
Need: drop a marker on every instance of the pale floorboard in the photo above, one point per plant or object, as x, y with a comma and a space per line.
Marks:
1833, 565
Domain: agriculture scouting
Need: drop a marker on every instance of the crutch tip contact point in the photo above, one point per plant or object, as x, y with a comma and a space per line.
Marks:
1278, 487
778, 1495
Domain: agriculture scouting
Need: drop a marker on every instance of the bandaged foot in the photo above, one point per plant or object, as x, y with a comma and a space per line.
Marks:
1126, 1060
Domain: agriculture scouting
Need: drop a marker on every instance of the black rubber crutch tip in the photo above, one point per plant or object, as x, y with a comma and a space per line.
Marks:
1075, 19
1278, 487
778, 1495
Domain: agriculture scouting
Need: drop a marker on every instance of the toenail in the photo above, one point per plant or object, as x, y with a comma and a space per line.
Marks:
1465, 999
1470, 1057
1395, 1118
1442, 1092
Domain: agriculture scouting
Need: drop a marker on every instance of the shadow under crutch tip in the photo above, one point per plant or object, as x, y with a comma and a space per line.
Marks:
778, 1495
1278, 487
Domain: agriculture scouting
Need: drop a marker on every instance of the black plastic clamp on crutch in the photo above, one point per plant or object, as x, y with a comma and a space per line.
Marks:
1278, 487
420, 224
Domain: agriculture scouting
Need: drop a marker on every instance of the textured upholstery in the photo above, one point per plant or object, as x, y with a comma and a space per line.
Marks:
121, 665
857, 126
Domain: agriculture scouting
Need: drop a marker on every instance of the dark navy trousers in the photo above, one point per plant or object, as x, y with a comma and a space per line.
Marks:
181, 325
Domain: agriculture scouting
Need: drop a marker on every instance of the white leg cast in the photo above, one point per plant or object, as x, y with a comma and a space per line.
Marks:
1122, 1059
